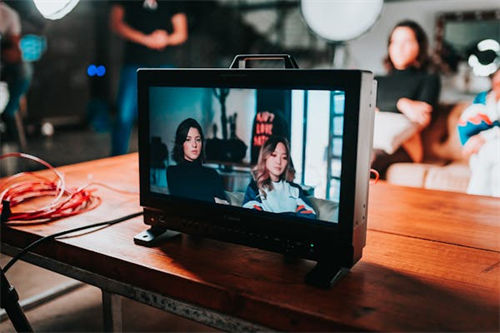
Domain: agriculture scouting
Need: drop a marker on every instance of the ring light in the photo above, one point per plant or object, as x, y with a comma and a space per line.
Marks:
340, 20
54, 10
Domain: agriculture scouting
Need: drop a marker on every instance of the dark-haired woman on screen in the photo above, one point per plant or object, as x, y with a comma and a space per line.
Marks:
189, 178
270, 190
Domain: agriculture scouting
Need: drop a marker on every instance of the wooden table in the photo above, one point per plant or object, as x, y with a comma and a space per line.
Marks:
431, 263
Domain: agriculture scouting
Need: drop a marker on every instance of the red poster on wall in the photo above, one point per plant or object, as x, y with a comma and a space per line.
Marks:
266, 123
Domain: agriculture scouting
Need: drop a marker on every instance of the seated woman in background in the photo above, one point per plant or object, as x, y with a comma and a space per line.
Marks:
409, 89
479, 131
189, 178
270, 190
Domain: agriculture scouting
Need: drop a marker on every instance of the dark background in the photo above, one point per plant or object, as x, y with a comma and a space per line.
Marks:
63, 94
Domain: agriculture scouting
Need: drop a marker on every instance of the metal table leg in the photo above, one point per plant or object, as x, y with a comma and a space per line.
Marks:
112, 312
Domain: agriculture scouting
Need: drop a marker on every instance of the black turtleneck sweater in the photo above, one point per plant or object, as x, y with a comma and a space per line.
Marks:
410, 83
192, 180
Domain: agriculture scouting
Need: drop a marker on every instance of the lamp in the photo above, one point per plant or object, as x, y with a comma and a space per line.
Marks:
338, 21
55, 9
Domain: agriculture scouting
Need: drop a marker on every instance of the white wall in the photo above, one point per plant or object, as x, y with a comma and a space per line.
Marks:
368, 51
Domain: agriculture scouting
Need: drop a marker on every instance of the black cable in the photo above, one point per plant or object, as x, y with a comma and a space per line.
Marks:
9, 301
43, 239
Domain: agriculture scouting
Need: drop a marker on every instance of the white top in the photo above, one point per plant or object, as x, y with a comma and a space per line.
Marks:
283, 198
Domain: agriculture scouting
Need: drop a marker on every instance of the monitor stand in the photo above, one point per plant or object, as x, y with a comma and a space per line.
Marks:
324, 275
154, 236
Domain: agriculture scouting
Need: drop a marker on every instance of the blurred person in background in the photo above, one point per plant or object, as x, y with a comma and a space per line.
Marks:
151, 29
13, 70
479, 132
409, 88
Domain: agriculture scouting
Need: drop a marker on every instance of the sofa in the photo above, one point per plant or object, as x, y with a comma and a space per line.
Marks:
443, 167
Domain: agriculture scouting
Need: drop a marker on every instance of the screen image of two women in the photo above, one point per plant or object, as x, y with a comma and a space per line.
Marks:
271, 190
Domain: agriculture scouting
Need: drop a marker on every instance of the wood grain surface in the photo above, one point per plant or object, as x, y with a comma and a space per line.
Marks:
449, 217
430, 263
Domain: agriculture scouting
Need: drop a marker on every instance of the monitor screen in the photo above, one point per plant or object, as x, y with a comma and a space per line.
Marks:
274, 159
211, 145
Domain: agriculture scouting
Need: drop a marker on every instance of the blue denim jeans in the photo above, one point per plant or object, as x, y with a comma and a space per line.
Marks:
126, 108
18, 78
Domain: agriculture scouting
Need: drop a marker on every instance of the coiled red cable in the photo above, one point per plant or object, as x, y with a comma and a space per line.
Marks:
26, 186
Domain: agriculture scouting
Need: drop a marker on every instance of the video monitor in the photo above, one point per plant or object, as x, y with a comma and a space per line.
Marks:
273, 159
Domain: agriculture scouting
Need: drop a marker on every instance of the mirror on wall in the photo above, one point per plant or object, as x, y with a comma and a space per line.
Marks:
458, 35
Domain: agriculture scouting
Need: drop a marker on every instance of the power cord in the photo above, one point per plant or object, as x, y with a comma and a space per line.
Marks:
21, 188
67, 202
50, 237
26, 186
377, 177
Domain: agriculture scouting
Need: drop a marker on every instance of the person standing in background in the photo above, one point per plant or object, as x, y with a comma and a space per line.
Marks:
13, 70
409, 88
151, 29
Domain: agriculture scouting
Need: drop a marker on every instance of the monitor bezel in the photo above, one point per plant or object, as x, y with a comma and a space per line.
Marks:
325, 234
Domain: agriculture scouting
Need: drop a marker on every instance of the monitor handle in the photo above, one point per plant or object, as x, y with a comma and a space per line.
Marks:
239, 61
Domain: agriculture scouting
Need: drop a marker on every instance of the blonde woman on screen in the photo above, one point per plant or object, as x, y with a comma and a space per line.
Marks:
270, 190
